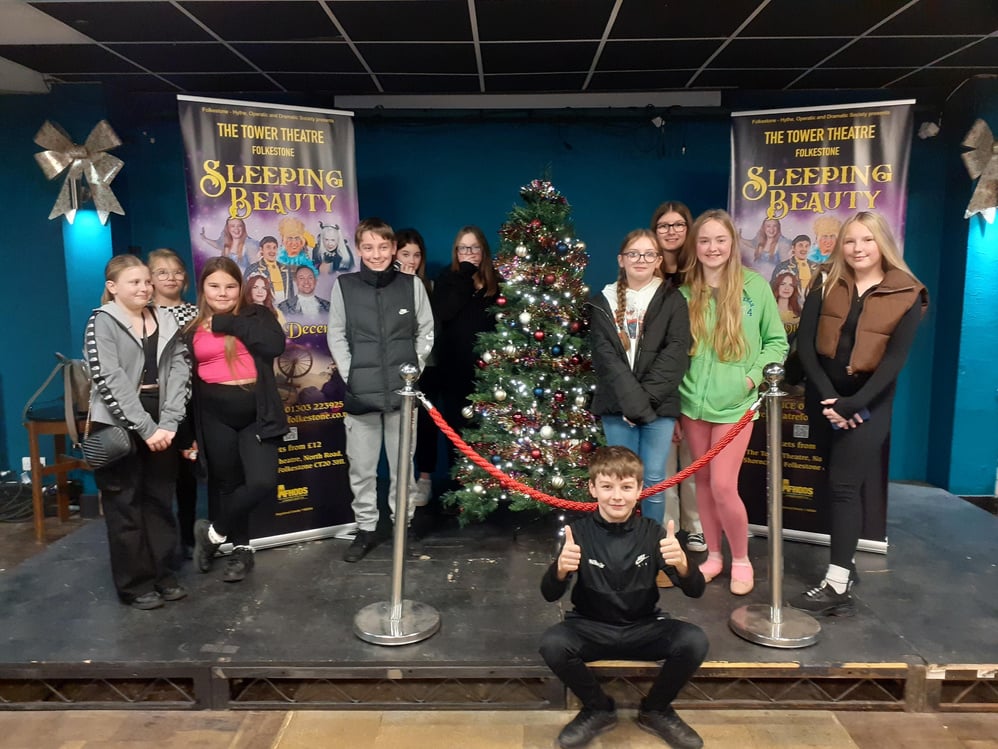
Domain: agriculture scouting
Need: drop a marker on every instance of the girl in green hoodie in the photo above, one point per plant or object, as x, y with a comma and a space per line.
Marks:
736, 331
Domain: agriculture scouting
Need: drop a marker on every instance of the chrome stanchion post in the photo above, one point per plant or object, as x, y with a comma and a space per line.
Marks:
774, 625
398, 621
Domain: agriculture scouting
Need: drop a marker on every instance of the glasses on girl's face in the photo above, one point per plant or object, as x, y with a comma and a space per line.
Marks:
665, 228
469, 249
165, 275
649, 256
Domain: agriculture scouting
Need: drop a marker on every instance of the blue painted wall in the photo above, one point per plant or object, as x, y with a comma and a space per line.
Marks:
438, 174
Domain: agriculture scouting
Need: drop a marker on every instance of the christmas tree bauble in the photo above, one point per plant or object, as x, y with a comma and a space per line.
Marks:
487, 356
478, 489
521, 251
539, 335
499, 394
509, 349
468, 412
557, 481
524, 317
501, 301
546, 432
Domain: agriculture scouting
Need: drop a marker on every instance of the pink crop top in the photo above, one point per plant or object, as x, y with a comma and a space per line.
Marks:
209, 353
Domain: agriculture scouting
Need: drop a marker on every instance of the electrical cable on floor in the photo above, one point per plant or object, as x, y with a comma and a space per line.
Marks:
15, 502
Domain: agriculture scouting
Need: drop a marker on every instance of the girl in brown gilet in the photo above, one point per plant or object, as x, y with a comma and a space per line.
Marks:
854, 336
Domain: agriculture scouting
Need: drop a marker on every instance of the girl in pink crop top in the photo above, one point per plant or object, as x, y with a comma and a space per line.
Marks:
209, 353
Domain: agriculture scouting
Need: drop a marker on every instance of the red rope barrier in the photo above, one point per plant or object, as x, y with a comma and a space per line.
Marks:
509, 482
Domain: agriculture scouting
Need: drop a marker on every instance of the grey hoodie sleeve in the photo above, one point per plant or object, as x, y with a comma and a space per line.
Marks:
173, 401
118, 390
336, 332
424, 322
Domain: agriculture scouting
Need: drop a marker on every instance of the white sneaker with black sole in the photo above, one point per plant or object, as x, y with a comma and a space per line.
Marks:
696, 543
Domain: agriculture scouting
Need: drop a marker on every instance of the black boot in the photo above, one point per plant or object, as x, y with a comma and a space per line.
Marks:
362, 543
239, 564
586, 726
668, 726
204, 549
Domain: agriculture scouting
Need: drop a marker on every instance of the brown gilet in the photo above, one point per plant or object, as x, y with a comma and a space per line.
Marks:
882, 311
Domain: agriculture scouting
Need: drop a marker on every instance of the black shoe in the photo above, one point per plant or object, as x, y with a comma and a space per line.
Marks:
172, 592
822, 600
586, 726
204, 550
668, 726
146, 601
362, 543
239, 564
413, 544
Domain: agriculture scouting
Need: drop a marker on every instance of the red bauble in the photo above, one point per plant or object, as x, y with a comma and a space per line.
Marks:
575, 327
481, 364
501, 301
535, 454
549, 279
576, 360
535, 224
559, 397
539, 335
518, 419
587, 447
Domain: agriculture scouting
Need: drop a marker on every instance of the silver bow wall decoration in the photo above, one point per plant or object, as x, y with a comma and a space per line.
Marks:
982, 162
90, 161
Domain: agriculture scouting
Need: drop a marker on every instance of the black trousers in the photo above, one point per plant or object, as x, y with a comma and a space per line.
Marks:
137, 494
566, 647
852, 456
242, 469
427, 433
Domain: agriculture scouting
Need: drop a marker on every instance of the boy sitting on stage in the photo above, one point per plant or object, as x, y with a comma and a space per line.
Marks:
616, 555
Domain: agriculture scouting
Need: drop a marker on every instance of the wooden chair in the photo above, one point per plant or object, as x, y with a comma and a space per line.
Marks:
62, 465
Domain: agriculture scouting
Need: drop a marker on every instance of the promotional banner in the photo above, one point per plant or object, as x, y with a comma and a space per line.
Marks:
797, 175
275, 189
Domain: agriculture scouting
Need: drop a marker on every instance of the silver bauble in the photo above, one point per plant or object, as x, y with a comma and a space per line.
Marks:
521, 251
557, 481
478, 489
547, 432
524, 318
499, 394
468, 412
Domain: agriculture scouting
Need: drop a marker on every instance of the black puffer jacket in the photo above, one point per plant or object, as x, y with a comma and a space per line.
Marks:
651, 389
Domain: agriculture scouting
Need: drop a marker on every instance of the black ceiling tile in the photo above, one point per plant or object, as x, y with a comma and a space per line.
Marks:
337, 83
425, 21
126, 21
295, 20
849, 78
183, 58
420, 58
67, 58
225, 82
984, 52
776, 53
934, 17
762, 80
639, 80
943, 77
318, 57
534, 84
893, 52
820, 17
124, 82
429, 84
654, 55
650, 19
538, 57
509, 20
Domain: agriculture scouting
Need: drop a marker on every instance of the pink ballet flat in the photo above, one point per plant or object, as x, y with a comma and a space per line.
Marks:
711, 568
742, 580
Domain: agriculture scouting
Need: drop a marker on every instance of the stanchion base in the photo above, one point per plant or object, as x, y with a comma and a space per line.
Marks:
755, 624
375, 624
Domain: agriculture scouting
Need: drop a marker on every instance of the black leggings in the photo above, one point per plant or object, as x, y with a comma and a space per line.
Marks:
566, 647
852, 456
242, 468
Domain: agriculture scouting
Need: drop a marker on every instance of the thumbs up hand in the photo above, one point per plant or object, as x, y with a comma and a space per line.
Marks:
570, 557
672, 552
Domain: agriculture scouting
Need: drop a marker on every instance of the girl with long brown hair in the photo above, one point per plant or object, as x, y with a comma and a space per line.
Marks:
736, 331
640, 340
238, 413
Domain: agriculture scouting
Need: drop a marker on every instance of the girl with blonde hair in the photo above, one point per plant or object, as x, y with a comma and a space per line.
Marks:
853, 340
736, 331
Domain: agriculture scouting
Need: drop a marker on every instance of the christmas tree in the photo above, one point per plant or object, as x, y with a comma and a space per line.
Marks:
529, 413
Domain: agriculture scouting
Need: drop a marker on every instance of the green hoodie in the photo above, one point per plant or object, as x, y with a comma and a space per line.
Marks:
716, 391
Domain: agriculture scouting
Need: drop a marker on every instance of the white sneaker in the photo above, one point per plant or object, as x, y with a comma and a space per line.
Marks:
420, 492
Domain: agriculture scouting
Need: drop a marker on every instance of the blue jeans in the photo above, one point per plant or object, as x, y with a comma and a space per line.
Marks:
652, 443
